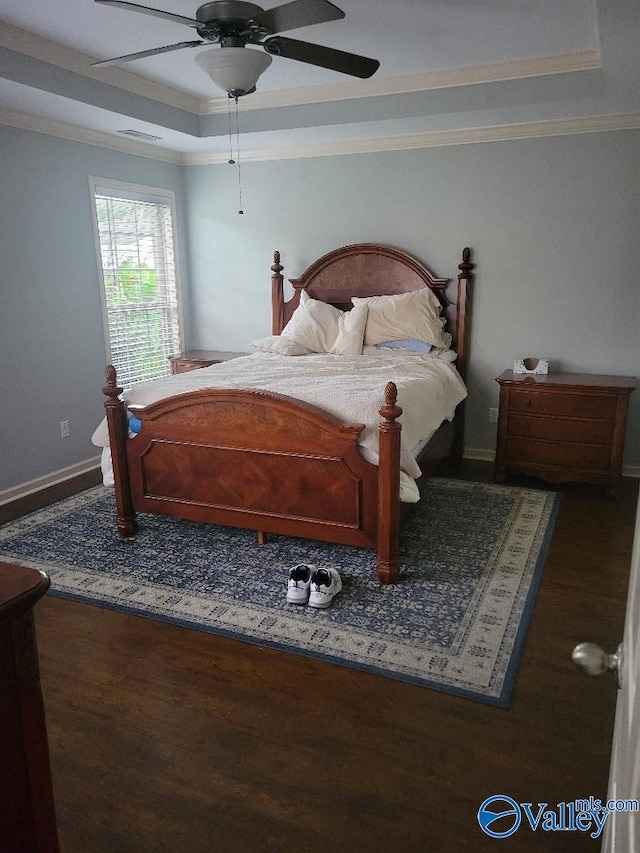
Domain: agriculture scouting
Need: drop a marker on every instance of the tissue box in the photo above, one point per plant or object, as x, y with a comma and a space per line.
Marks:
531, 365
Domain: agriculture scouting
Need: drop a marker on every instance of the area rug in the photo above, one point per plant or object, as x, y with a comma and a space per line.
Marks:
471, 558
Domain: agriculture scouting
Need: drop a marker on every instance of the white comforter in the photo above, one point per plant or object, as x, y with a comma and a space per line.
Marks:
350, 387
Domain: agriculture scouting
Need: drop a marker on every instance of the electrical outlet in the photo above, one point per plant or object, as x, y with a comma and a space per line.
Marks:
64, 429
493, 416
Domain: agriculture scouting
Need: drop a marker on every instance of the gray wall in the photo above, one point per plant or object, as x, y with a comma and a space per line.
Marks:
553, 224
52, 349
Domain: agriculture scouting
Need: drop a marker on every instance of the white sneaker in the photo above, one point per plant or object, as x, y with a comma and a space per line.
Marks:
325, 585
299, 583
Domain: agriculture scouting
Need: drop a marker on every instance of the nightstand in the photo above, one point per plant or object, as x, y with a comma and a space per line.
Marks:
562, 427
195, 358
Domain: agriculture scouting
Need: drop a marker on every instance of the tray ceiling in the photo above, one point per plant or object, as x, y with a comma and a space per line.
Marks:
447, 66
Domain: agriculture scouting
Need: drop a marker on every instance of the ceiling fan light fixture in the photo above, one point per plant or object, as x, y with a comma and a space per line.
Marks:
235, 70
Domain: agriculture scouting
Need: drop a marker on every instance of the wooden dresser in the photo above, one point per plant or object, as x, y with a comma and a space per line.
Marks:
27, 811
562, 427
195, 358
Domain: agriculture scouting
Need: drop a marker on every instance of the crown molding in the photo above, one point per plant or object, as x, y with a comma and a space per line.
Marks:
406, 142
428, 139
495, 72
75, 133
38, 47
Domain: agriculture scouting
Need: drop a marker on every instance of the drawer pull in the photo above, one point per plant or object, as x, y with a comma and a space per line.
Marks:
526, 403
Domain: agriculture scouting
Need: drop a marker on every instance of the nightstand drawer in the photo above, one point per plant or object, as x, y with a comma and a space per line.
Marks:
570, 405
557, 429
592, 458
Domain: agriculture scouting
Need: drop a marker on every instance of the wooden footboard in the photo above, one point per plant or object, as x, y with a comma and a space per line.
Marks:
262, 461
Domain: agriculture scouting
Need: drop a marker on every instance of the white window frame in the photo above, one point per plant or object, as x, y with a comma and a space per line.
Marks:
134, 192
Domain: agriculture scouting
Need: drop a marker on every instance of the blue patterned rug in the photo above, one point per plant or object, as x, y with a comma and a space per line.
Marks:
456, 620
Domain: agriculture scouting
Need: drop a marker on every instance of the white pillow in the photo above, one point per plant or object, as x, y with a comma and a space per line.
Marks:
415, 314
279, 344
321, 327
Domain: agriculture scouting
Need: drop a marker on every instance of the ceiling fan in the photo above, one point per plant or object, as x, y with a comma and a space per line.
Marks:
233, 24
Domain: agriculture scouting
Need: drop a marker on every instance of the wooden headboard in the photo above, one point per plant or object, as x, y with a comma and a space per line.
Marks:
373, 269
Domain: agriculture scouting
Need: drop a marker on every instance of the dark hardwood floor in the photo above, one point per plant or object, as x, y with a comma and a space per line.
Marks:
165, 739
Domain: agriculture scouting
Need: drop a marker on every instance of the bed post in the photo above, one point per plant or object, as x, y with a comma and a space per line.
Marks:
277, 296
388, 555
463, 325
118, 435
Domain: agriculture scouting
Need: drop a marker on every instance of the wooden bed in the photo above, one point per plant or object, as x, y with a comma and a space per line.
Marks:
270, 463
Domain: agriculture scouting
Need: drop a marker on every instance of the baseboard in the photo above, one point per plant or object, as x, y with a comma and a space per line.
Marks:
483, 455
32, 486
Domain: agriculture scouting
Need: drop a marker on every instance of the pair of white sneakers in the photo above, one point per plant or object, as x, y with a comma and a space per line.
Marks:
313, 586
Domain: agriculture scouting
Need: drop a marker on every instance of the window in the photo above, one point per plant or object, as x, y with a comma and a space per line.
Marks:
140, 291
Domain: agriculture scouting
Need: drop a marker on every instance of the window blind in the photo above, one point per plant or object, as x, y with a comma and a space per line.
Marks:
140, 284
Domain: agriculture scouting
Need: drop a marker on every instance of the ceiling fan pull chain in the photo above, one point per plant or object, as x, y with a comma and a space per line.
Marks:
240, 210
231, 160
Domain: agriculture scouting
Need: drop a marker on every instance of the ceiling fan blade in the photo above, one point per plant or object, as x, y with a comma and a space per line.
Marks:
325, 57
157, 13
299, 13
119, 60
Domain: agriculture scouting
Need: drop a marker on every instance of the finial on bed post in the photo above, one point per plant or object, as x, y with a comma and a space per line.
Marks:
117, 423
390, 411
111, 389
277, 295
463, 316
465, 266
389, 430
